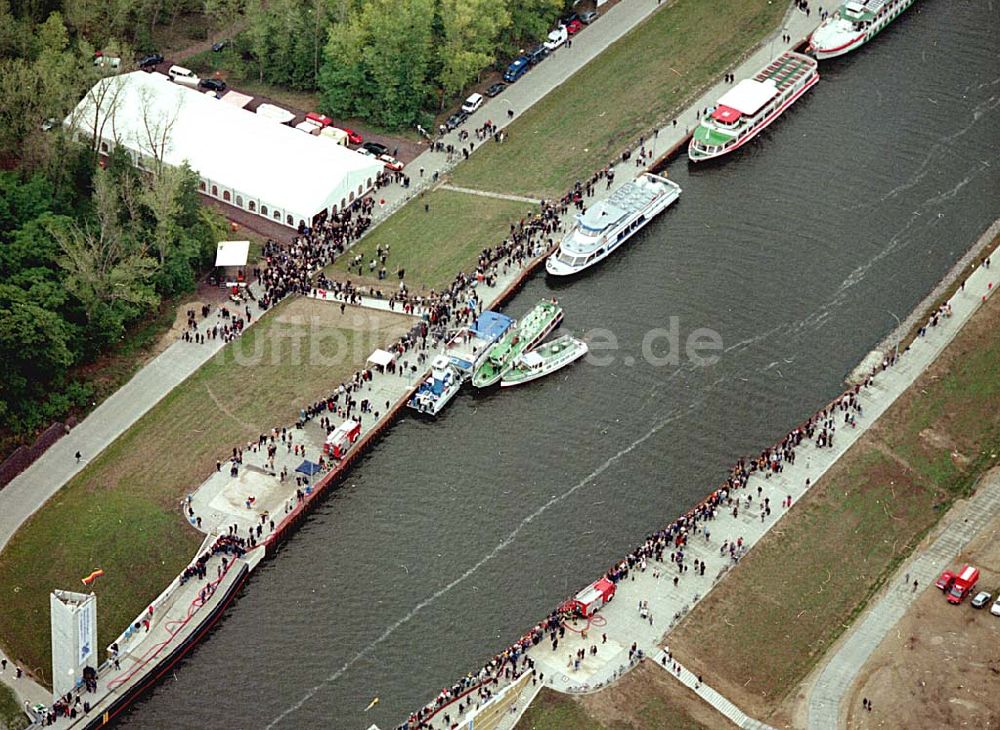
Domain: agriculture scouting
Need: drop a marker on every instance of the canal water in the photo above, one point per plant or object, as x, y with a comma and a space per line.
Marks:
452, 537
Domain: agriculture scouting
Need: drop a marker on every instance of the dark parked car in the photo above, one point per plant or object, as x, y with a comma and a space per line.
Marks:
216, 85
375, 148
588, 17
455, 120
537, 54
569, 18
518, 67
151, 60
216, 47
495, 89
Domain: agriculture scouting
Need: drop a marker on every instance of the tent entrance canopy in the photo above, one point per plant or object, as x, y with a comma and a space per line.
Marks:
380, 358
231, 257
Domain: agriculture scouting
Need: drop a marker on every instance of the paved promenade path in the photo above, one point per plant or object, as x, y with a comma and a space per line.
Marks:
829, 692
488, 194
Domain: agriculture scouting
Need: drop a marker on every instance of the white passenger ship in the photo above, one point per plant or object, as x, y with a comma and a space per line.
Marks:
607, 224
745, 110
853, 25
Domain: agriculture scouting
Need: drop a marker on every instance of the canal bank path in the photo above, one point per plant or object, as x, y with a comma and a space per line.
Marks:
32, 488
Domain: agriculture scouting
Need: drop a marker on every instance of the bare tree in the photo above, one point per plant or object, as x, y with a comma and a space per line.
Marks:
153, 139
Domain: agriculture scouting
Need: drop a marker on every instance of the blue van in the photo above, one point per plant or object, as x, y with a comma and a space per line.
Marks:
516, 70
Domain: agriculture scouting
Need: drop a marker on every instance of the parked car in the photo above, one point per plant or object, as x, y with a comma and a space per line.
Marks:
569, 18
537, 54
375, 148
455, 120
320, 119
517, 68
981, 599
995, 608
216, 85
153, 59
216, 47
181, 75
945, 580
473, 103
353, 137
573, 27
588, 17
391, 163
105, 61
495, 89
556, 38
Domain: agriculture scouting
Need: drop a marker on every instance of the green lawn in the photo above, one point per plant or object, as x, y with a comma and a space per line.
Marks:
434, 245
797, 591
121, 512
642, 81
12, 717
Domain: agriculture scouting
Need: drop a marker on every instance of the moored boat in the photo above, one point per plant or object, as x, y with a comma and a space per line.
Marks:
544, 360
468, 348
607, 224
852, 25
438, 388
750, 106
530, 330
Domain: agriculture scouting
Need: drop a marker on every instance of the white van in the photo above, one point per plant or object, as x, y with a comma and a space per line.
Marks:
183, 76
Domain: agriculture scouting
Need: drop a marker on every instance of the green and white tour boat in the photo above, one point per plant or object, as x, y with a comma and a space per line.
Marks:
852, 25
546, 359
530, 330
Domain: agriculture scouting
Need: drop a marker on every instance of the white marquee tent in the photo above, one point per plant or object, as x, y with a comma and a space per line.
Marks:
268, 169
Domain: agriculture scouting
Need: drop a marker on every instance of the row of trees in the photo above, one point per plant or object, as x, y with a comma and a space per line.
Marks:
389, 61
85, 252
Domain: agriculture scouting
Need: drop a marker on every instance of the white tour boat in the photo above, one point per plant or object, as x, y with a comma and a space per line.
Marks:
607, 224
746, 109
854, 24
546, 359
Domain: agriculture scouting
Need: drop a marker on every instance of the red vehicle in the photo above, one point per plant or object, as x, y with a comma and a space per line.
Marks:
593, 597
353, 137
945, 580
342, 439
573, 27
320, 119
965, 583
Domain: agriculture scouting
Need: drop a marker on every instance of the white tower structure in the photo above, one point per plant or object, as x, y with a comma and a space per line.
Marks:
74, 638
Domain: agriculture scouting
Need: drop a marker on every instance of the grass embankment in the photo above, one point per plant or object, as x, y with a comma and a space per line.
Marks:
757, 635
433, 245
642, 81
647, 698
121, 513
12, 717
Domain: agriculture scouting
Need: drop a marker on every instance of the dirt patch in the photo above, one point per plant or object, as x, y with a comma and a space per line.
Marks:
354, 319
648, 698
940, 665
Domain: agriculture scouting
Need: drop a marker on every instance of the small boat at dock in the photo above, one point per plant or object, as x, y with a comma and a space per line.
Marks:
438, 388
544, 360
530, 330
467, 349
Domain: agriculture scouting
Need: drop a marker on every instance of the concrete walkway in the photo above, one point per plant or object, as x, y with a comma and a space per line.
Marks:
686, 677
827, 696
489, 194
